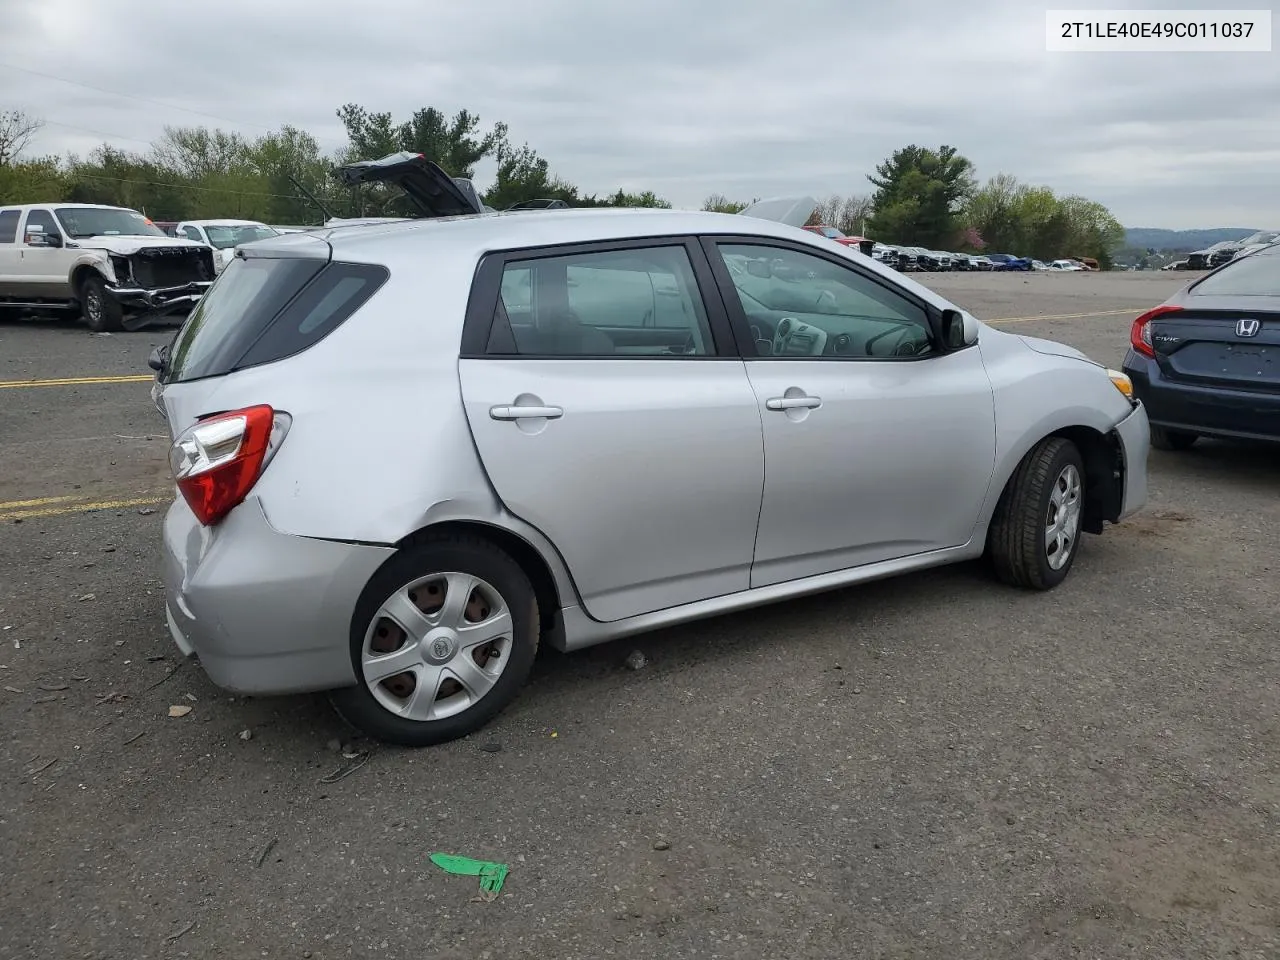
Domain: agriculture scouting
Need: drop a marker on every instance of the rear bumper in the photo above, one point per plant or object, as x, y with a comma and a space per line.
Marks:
1210, 411
266, 612
1134, 432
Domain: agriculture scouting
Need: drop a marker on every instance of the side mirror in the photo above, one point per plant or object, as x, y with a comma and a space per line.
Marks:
36, 237
959, 330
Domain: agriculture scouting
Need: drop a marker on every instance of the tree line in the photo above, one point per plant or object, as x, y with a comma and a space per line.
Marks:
922, 196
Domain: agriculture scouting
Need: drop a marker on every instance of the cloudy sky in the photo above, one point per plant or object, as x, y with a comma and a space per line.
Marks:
686, 97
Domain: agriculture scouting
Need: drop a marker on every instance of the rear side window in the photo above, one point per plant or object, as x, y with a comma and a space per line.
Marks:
1255, 275
260, 310
8, 226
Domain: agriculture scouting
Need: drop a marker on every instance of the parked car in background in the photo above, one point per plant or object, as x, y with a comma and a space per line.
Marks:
1064, 266
1176, 265
1204, 361
1214, 256
1007, 261
224, 235
1039, 265
111, 265
981, 262
420, 595
831, 233
886, 254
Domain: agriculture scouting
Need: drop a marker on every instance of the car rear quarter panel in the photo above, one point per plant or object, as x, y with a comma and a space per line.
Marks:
379, 444
1038, 393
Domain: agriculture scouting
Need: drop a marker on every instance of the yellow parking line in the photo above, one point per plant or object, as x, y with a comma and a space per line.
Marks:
1069, 316
89, 507
42, 502
72, 381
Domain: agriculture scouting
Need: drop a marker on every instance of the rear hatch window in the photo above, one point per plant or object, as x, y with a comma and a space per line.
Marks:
261, 309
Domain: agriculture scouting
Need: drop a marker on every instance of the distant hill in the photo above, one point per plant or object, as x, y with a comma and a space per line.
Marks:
1184, 240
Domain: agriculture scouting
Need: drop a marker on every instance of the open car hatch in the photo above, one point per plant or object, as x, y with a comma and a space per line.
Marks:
793, 211
432, 191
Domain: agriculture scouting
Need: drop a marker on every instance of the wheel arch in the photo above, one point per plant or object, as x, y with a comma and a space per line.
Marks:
83, 272
524, 553
1103, 458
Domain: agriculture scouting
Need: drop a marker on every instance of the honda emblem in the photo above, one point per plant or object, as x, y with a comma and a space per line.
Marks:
1247, 327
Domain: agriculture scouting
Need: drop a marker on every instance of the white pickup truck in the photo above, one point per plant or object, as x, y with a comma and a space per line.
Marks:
110, 264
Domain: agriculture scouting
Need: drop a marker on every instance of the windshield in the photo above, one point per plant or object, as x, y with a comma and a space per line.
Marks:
223, 235
105, 222
1256, 275
1262, 236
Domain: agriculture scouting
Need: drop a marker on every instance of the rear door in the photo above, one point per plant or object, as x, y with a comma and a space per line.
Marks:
10, 255
1227, 334
611, 412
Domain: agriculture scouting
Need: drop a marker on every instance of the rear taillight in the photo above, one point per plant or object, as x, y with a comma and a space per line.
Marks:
1140, 332
217, 460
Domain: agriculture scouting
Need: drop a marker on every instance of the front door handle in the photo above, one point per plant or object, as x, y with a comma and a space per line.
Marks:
518, 412
793, 403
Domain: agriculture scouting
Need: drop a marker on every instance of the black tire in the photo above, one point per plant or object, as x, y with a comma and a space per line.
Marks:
449, 553
1016, 542
101, 312
1163, 439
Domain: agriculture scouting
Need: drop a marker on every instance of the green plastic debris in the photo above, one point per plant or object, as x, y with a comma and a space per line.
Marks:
491, 875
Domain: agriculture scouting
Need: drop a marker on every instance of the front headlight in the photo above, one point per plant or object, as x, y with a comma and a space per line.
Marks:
1121, 383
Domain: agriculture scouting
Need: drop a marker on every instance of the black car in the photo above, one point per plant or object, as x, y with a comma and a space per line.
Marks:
1206, 362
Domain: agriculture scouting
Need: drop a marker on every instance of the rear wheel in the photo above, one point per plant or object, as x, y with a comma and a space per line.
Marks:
101, 312
1035, 532
1163, 439
442, 640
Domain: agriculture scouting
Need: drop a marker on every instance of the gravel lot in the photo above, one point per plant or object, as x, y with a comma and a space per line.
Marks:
931, 767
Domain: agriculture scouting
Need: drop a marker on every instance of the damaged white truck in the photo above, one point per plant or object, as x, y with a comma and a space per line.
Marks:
111, 265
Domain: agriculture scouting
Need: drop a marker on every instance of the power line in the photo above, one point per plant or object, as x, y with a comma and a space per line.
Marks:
187, 186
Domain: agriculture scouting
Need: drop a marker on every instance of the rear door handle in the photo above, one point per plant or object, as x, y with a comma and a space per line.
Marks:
793, 403
525, 413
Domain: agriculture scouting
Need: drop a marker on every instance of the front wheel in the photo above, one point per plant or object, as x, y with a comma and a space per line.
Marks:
442, 639
1035, 533
101, 312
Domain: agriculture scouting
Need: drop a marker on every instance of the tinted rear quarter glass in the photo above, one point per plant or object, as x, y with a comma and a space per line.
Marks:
260, 310
1257, 275
9, 225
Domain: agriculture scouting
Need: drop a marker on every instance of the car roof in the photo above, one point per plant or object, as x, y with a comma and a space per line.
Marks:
477, 234
64, 203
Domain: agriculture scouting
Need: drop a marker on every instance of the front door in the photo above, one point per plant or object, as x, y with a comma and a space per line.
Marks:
877, 446
612, 414
47, 269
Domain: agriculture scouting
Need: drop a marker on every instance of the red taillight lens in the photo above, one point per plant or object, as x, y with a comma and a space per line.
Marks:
1140, 332
217, 461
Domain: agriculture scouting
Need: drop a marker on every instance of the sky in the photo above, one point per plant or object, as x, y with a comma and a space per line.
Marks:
748, 98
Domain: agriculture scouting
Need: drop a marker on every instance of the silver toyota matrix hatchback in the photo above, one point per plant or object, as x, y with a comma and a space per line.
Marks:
408, 452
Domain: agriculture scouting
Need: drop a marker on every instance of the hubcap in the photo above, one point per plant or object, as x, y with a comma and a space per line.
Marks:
1062, 523
437, 646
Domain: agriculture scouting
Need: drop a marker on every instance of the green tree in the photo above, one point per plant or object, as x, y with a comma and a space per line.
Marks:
919, 195
523, 175
719, 203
